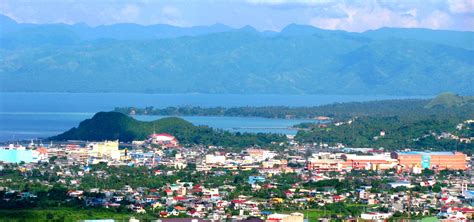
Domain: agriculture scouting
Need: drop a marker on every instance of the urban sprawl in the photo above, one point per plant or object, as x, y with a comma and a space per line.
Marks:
198, 183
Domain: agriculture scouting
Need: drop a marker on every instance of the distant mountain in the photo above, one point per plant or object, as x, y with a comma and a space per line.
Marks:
450, 100
15, 32
220, 59
445, 37
118, 126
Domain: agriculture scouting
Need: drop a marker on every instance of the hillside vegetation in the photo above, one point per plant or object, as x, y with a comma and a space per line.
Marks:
219, 59
450, 100
446, 106
436, 124
117, 126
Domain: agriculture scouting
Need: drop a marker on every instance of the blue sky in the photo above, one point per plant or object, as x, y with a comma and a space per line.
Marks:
352, 15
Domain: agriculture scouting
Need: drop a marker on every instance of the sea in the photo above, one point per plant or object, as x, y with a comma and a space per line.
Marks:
32, 116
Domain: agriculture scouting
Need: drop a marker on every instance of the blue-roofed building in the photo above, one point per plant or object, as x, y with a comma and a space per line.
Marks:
18, 155
256, 179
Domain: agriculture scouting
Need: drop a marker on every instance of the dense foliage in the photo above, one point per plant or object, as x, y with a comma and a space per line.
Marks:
445, 105
299, 59
399, 133
117, 126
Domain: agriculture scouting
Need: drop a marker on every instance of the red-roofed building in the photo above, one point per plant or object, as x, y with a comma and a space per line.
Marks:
178, 198
163, 139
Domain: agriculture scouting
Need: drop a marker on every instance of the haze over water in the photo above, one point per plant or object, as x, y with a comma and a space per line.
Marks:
35, 115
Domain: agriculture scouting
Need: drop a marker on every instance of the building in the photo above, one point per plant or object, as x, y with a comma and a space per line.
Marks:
215, 159
163, 139
324, 164
106, 149
256, 179
260, 154
432, 160
79, 154
293, 217
374, 216
368, 162
18, 155
400, 184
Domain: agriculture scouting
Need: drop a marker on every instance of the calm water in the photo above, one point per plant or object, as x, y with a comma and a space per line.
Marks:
35, 115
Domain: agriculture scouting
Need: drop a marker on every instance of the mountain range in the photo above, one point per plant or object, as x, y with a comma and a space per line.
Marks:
299, 59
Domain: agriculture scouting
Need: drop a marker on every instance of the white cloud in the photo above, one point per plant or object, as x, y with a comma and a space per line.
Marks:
278, 2
350, 15
170, 11
171, 15
374, 15
130, 13
437, 20
461, 6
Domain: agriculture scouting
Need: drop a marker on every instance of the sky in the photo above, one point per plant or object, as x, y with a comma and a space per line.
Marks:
354, 15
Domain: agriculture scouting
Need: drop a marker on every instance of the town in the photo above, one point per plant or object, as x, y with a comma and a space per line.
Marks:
159, 178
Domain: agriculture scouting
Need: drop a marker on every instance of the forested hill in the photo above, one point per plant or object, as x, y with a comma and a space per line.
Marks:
219, 59
442, 123
450, 100
446, 106
399, 133
114, 125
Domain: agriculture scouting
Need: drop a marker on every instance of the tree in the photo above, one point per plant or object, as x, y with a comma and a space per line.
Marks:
49, 216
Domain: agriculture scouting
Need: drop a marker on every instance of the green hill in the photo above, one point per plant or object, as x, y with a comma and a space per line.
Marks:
114, 125
299, 59
444, 106
450, 100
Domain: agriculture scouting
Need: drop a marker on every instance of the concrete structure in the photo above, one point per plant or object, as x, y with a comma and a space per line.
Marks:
432, 160
163, 139
401, 184
322, 165
215, 159
293, 217
18, 155
260, 155
368, 162
256, 179
375, 216
106, 149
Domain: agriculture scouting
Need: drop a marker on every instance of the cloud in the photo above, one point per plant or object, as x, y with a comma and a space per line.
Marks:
377, 14
171, 15
437, 20
461, 6
130, 13
170, 11
301, 2
349, 15
291, 4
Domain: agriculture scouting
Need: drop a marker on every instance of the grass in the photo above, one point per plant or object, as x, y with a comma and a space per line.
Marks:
63, 214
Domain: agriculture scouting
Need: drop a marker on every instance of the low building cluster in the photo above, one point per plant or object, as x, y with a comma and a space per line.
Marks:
254, 184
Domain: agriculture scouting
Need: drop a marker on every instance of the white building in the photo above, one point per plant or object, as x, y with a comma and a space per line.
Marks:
375, 216
215, 159
106, 149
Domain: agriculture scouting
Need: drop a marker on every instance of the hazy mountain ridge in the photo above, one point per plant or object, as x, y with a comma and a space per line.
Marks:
299, 59
450, 100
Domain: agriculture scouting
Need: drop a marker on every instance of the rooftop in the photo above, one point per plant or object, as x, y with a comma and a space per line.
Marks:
427, 153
